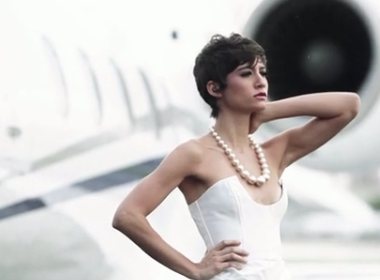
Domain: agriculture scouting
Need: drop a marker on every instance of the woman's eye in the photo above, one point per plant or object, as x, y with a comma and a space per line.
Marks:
245, 74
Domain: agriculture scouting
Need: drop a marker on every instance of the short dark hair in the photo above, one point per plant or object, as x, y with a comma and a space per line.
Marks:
218, 58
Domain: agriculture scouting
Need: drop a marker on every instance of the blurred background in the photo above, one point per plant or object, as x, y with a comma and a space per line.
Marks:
93, 94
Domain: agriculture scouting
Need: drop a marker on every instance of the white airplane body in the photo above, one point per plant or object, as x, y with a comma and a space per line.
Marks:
94, 95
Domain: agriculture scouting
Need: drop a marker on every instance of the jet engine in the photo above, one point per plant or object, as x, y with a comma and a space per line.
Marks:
325, 45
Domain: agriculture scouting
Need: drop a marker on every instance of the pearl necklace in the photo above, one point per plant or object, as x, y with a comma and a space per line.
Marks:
252, 180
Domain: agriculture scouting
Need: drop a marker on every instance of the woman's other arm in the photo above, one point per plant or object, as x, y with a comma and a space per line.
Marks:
331, 112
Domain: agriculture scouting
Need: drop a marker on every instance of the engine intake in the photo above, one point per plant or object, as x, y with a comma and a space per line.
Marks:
321, 45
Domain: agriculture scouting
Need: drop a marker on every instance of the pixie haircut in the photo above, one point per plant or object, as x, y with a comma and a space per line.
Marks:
218, 58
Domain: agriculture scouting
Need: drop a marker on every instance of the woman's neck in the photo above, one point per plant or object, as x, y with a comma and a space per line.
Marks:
234, 130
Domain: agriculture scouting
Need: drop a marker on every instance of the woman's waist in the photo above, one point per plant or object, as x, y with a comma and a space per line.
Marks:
260, 251
257, 270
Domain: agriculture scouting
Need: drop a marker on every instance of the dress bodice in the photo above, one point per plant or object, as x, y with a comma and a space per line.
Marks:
227, 211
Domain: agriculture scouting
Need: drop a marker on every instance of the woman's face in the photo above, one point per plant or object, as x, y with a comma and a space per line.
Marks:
247, 88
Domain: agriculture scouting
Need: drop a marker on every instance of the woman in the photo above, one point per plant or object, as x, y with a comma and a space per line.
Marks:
230, 182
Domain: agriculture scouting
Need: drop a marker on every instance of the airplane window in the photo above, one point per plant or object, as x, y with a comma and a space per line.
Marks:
95, 85
60, 79
111, 93
154, 83
126, 93
138, 96
154, 111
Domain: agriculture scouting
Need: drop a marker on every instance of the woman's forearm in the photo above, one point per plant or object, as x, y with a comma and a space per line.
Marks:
137, 228
321, 105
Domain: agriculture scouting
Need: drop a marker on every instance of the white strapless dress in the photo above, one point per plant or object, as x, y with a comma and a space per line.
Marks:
227, 211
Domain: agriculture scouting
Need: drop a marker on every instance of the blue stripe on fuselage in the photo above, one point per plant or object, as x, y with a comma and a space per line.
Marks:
96, 184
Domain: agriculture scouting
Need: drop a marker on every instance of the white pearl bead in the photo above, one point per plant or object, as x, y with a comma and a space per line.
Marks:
235, 162
252, 179
240, 168
231, 156
262, 160
228, 151
261, 180
245, 174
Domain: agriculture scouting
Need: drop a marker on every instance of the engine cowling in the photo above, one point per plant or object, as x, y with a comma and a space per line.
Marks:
325, 45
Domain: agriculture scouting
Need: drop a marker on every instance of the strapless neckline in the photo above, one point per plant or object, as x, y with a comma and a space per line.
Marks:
235, 179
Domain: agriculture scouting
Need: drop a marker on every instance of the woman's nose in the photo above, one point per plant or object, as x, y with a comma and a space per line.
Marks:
260, 82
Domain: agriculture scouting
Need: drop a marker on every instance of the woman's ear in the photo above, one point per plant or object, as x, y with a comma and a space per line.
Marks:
214, 89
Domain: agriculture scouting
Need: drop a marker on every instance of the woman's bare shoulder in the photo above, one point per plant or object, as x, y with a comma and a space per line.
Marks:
191, 150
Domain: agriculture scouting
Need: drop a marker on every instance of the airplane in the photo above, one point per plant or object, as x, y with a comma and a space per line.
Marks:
95, 94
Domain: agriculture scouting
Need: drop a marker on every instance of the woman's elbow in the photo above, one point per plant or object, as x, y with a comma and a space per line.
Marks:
121, 219
116, 221
353, 105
